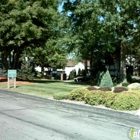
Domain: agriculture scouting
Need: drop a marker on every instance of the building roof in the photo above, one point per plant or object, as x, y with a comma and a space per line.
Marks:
71, 63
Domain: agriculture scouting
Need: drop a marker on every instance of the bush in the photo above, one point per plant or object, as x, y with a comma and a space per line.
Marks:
105, 89
120, 89
61, 96
129, 78
78, 94
137, 93
104, 79
96, 97
92, 88
72, 74
26, 72
126, 101
109, 99
125, 84
57, 77
38, 74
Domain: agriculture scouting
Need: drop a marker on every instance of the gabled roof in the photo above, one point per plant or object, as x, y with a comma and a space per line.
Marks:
71, 63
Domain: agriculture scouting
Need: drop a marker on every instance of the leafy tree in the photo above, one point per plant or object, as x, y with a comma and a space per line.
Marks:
104, 27
49, 56
27, 26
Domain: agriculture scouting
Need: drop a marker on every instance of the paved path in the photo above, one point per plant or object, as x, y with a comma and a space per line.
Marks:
24, 117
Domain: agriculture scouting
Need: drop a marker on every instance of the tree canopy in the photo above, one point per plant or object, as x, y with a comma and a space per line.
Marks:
29, 27
104, 28
96, 30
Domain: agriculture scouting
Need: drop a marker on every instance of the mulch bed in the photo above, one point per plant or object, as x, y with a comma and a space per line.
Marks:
3, 80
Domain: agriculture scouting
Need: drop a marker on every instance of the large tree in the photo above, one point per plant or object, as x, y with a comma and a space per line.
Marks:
104, 28
49, 55
27, 26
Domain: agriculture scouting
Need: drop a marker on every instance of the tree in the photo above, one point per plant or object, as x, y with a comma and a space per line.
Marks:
26, 72
104, 27
104, 79
49, 56
26, 25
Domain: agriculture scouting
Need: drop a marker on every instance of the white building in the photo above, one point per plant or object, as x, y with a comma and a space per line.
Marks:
76, 67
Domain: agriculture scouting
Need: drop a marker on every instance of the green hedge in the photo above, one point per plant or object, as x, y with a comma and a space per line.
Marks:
78, 94
96, 97
127, 100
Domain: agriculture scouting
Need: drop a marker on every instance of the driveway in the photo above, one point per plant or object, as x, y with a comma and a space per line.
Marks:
24, 117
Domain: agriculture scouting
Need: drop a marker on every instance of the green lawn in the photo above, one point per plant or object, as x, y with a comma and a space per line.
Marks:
44, 88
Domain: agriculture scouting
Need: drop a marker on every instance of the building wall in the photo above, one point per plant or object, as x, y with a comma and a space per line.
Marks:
78, 66
67, 69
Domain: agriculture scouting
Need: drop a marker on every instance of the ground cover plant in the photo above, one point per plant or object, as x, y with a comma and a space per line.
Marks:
78, 94
126, 100
96, 97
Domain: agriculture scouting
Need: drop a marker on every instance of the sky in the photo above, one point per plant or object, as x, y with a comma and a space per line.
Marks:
60, 7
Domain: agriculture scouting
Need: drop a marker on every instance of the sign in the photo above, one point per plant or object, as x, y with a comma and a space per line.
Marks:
12, 73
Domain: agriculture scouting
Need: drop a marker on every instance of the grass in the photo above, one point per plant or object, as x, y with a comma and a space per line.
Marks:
44, 88
61, 95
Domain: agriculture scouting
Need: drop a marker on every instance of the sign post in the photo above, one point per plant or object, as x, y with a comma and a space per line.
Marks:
12, 74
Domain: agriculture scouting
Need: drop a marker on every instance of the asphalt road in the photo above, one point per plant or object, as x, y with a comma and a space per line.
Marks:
24, 117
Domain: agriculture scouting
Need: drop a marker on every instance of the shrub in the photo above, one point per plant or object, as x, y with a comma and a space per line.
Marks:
120, 89
38, 74
99, 76
93, 98
57, 77
96, 97
92, 88
109, 99
72, 74
79, 72
78, 94
129, 78
61, 96
126, 101
125, 84
137, 93
105, 89
104, 79
26, 72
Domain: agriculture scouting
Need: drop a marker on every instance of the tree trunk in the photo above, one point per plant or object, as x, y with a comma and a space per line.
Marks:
122, 64
42, 71
86, 68
4, 58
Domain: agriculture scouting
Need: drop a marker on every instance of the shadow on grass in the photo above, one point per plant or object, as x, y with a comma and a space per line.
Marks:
48, 81
3, 80
45, 81
79, 83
